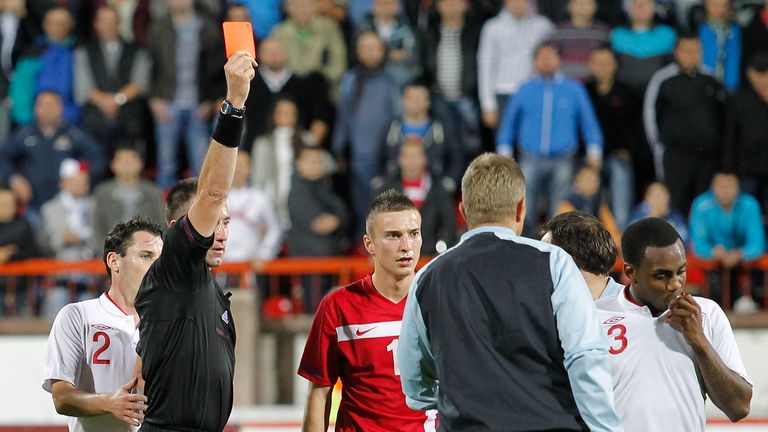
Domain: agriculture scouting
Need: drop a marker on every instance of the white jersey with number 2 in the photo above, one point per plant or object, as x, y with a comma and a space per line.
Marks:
93, 346
656, 383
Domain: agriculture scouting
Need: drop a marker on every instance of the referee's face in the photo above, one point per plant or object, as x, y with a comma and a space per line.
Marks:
216, 252
395, 242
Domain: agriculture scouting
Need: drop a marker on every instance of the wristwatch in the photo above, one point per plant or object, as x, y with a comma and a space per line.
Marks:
228, 109
121, 99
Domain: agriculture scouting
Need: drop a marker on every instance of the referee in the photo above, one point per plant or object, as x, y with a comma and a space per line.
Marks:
187, 334
499, 332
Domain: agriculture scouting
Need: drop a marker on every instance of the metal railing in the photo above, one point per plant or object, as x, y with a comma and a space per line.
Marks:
26, 287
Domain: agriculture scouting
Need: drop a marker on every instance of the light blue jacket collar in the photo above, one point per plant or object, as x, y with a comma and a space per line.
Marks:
486, 229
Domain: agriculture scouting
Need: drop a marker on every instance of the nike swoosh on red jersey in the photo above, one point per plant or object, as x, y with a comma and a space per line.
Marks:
360, 333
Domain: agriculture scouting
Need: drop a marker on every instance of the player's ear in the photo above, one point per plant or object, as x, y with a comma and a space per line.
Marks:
368, 243
630, 272
461, 210
520, 211
112, 263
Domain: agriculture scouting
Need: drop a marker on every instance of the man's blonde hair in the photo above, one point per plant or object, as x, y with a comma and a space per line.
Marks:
491, 188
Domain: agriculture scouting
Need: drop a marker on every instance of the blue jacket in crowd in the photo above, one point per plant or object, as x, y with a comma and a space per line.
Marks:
545, 116
722, 46
739, 228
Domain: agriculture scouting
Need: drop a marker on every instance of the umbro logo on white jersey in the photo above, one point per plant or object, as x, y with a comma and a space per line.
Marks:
613, 320
101, 327
225, 317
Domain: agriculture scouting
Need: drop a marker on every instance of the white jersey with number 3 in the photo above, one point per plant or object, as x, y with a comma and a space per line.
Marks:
656, 384
93, 346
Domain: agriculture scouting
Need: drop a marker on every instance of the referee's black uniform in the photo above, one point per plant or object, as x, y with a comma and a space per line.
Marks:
187, 338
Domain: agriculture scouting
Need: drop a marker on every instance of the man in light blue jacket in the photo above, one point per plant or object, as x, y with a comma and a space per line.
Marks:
726, 226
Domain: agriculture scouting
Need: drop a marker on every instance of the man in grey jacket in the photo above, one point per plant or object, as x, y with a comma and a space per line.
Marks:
125, 196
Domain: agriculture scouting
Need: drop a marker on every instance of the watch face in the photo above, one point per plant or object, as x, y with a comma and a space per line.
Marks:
228, 109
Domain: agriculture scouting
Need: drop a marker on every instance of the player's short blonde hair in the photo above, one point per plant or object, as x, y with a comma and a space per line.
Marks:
491, 188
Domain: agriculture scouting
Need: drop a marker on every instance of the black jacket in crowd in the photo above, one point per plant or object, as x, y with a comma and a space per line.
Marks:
17, 232
619, 113
689, 114
753, 39
470, 39
25, 33
747, 133
310, 94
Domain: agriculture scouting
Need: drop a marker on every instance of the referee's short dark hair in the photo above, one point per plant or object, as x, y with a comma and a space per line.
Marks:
119, 238
585, 238
391, 200
176, 204
645, 233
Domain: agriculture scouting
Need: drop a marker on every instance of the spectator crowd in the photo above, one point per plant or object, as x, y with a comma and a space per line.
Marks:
620, 108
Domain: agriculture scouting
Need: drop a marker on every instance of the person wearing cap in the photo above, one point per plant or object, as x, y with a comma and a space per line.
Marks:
30, 160
67, 230
68, 217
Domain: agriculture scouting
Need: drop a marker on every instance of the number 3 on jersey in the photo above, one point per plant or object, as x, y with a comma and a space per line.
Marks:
393, 348
618, 332
96, 337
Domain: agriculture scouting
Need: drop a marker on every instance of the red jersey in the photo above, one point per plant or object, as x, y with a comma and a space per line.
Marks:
354, 337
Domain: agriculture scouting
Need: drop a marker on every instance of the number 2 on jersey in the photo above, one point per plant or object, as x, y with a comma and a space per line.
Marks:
96, 337
393, 347
620, 331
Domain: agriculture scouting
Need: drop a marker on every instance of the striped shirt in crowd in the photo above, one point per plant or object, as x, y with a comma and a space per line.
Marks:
449, 63
575, 46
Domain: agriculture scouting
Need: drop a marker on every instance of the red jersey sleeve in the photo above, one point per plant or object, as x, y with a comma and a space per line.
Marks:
320, 361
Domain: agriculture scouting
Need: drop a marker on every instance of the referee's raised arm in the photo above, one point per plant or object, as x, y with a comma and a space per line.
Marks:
219, 165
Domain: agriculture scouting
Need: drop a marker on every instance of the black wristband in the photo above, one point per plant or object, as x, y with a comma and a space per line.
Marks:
228, 130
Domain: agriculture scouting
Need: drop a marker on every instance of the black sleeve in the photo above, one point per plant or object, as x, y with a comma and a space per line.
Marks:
732, 135
182, 258
454, 155
213, 84
319, 107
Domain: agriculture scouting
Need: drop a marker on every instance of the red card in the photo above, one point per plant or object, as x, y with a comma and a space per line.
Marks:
238, 36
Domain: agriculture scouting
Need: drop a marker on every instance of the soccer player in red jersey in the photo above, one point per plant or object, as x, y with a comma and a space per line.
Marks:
356, 329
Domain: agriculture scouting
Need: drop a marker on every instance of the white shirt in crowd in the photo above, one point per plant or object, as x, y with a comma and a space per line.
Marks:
505, 54
655, 381
92, 345
254, 229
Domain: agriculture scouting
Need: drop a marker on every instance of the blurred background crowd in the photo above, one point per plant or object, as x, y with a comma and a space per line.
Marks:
621, 108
